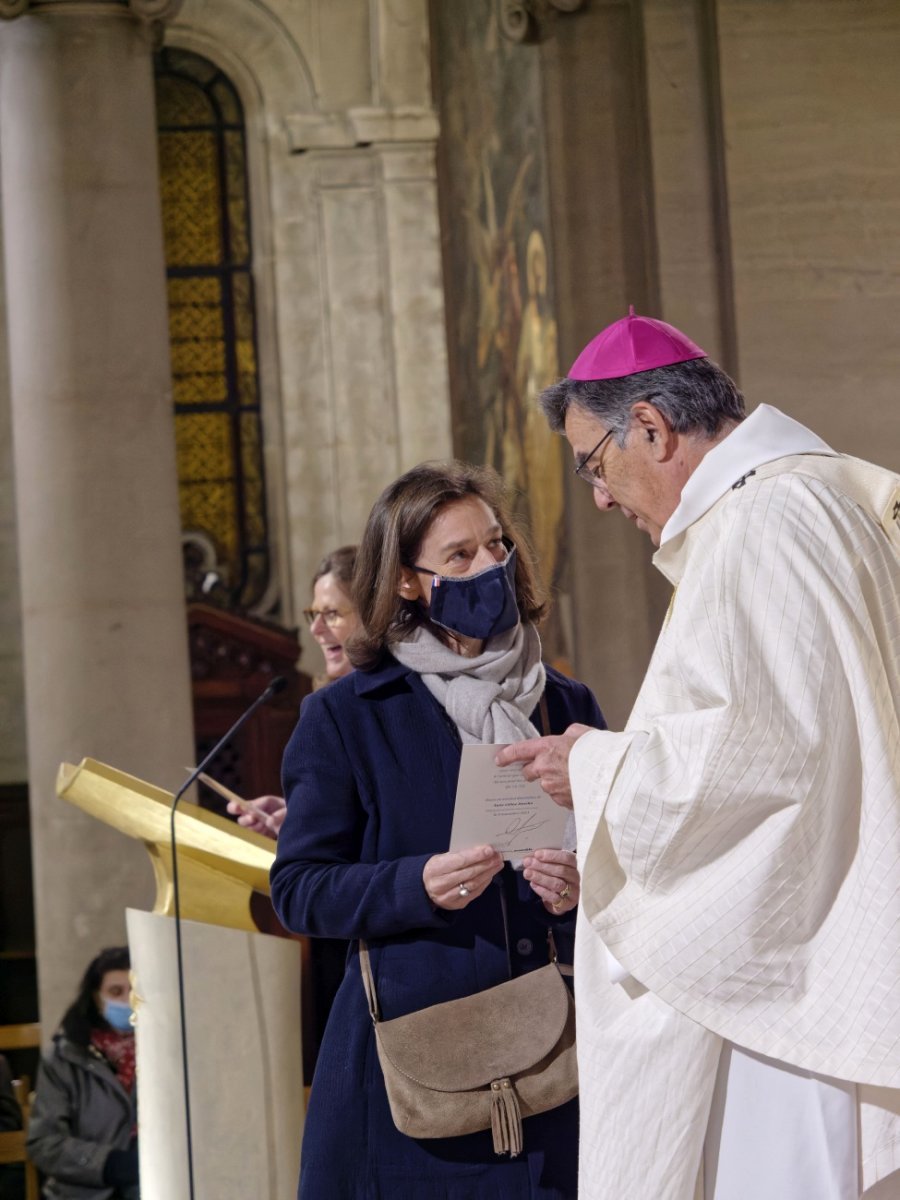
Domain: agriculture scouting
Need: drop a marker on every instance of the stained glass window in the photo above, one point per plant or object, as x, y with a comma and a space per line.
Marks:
212, 327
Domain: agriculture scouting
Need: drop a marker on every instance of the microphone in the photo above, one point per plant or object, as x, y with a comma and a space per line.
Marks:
278, 684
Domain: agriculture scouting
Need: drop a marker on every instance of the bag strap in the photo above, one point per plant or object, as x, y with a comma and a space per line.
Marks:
563, 968
365, 968
552, 952
365, 964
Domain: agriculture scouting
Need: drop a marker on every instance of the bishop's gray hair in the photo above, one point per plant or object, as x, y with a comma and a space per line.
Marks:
694, 397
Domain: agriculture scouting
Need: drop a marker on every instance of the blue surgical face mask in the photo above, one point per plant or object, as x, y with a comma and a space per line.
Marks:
118, 1015
476, 606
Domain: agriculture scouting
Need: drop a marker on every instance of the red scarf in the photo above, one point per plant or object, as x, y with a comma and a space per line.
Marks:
118, 1050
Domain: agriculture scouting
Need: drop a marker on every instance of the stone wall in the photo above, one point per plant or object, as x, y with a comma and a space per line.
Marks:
732, 167
811, 97
349, 288
13, 753
352, 365
341, 138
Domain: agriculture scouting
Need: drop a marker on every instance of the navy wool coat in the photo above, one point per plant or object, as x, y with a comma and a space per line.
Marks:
370, 778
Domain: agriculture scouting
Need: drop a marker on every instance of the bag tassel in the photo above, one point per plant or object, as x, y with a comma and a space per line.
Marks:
506, 1118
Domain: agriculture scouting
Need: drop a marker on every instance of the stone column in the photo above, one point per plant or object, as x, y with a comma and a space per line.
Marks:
105, 645
416, 297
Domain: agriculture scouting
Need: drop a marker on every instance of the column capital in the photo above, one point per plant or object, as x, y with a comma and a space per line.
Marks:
149, 11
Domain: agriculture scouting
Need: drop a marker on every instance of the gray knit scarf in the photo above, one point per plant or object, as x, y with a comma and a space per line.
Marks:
489, 698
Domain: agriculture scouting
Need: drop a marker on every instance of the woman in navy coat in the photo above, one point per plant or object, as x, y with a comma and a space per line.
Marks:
449, 654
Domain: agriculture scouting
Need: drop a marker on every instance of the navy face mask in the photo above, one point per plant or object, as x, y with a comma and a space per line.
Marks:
476, 606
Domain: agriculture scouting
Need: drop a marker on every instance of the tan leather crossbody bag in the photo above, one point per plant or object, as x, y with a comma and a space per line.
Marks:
484, 1061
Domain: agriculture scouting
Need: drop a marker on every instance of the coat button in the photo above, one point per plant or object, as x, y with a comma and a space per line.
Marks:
524, 946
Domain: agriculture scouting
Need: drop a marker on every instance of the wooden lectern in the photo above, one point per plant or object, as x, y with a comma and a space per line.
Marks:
242, 991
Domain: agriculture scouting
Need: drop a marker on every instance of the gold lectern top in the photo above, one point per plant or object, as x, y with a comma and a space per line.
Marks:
219, 862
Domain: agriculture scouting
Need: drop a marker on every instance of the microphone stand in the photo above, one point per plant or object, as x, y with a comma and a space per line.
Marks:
278, 684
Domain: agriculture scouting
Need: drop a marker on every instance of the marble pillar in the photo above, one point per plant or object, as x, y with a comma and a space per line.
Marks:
104, 636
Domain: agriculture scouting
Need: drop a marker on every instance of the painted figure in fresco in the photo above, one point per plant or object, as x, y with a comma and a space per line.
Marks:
504, 327
499, 324
537, 367
517, 352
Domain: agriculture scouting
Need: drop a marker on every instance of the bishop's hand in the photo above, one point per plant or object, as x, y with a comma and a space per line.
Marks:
546, 759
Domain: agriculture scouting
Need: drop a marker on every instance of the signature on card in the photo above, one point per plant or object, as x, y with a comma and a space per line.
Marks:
517, 829
498, 806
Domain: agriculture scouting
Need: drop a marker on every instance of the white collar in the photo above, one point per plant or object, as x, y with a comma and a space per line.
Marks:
765, 435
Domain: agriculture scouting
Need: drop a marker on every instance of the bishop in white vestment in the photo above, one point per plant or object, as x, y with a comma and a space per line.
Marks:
738, 947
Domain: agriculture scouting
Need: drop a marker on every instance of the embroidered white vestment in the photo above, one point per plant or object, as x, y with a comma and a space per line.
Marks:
739, 843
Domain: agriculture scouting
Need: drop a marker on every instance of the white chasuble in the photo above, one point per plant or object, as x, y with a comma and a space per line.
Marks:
739, 843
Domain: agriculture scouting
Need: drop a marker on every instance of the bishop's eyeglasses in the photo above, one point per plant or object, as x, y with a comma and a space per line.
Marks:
592, 475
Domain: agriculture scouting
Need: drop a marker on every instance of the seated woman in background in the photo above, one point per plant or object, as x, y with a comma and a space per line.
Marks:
332, 620
83, 1133
370, 774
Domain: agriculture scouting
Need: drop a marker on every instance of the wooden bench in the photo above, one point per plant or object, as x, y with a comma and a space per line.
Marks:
12, 1144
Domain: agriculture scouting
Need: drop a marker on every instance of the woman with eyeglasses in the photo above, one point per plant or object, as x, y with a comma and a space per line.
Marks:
333, 620
447, 654
332, 617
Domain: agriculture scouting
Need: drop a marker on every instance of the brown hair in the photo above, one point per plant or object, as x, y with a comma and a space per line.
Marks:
394, 532
340, 564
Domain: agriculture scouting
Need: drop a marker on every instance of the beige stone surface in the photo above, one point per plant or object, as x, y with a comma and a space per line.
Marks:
363, 420
603, 243
338, 45
415, 298
346, 261
98, 533
684, 189
811, 96
338, 103
400, 37
242, 1000
13, 751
